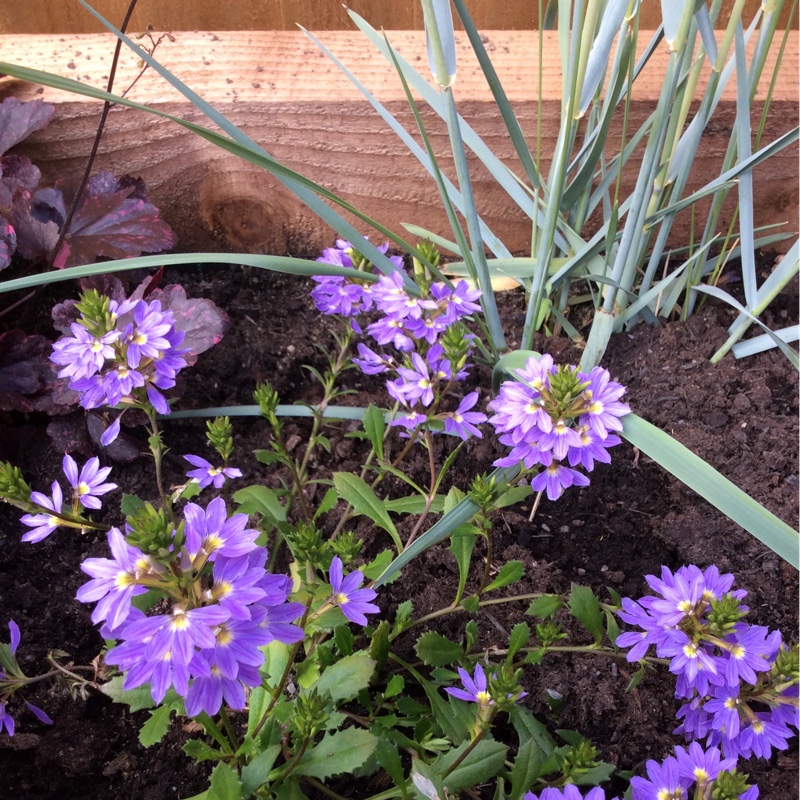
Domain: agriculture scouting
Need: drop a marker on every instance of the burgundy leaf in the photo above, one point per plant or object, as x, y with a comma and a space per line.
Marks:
112, 220
35, 239
8, 242
19, 171
202, 322
123, 449
71, 435
65, 313
18, 120
25, 370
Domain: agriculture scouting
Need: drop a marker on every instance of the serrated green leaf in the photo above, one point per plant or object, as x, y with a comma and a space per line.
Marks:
544, 606
337, 753
343, 639
529, 728
131, 504
389, 758
290, 790
375, 428
329, 502
471, 604
482, 764
614, 595
509, 573
155, 728
534, 657
513, 495
192, 490
520, 634
260, 500
395, 685
595, 775
307, 672
585, 607
435, 650
200, 751
471, 633
377, 565
379, 644
138, 699
360, 495
346, 678
636, 679
256, 773
225, 784
462, 544
414, 505
612, 628
267, 457
526, 768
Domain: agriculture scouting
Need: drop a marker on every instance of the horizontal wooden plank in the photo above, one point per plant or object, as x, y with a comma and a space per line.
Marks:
318, 15
288, 97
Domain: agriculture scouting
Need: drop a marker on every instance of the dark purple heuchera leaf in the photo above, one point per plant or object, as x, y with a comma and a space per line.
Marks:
8, 242
19, 171
202, 322
35, 239
19, 120
26, 373
113, 220
70, 434
123, 449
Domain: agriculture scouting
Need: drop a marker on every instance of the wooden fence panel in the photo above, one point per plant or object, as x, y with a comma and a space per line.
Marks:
68, 16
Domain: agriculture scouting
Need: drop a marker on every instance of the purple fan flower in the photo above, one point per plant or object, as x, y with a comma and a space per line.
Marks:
457, 302
556, 478
474, 691
146, 334
664, 782
603, 395
372, 363
87, 486
44, 524
462, 421
416, 384
353, 601
82, 354
6, 720
206, 473
568, 792
114, 580
701, 766
212, 532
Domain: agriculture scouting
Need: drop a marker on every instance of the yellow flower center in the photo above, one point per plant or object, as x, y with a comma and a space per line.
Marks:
484, 698
82, 489
340, 599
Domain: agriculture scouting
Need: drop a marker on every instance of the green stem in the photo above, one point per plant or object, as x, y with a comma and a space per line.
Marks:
226, 723
296, 758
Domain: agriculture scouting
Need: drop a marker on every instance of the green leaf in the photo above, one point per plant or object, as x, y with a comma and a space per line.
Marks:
520, 634
612, 628
514, 495
636, 679
225, 784
192, 490
526, 768
346, 678
713, 487
131, 504
481, 765
471, 604
395, 685
509, 573
544, 606
462, 543
328, 503
268, 457
375, 428
260, 500
343, 639
435, 650
200, 751
377, 565
596, 775
155, 728
389, 758
414, 505
337, 753
379, 645
585, 607
529, 728
256, 773
137, 699
290, 790
359, 494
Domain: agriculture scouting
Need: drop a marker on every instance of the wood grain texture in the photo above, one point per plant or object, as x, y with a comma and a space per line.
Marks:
283, 93
68, 16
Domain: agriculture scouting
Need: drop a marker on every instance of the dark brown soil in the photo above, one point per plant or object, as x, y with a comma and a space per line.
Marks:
742, 416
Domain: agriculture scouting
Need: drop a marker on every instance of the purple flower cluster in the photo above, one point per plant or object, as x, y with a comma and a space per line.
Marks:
677, 774
131, 357
208, 644
12, 679
423, 367
87, 487
552, 415
731, 673
206, 473
568, 792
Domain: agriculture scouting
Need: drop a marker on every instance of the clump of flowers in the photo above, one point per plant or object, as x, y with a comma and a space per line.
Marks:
430, 346
125, 352
553, 415
740, 680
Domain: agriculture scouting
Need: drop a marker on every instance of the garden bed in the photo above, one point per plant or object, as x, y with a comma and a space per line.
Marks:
742, 416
